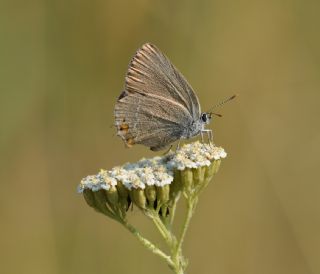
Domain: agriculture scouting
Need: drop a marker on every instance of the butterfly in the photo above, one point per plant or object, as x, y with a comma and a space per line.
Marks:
158, 106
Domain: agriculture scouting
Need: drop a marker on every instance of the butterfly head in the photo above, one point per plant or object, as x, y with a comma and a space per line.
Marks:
206, 117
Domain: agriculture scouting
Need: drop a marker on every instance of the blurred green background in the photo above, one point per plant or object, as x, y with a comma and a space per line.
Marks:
62, 65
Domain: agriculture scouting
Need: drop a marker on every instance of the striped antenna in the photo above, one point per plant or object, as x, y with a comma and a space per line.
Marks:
221, 103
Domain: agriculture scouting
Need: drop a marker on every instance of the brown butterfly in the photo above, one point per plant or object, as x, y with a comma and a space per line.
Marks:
158, 106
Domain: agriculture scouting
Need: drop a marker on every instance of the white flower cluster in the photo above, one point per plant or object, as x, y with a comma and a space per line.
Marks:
156, 171
145, 172
196, 155
96, 182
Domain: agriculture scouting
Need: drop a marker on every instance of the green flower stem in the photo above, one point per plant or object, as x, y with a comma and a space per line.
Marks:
190, 209
173, 209
165, 233
177, 257
177, 261
146, 243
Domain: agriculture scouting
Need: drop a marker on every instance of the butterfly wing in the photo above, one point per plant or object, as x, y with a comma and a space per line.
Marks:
150, 71
149, 120
157, 105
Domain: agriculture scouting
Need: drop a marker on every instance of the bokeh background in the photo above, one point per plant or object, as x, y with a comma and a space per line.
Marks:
62, 65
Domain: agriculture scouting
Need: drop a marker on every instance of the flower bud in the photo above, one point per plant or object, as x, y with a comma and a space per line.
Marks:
217, 166
100, 198
187, 180
198, 175
124, 198
138, 197
112, 196
89, 197
151, 194
176, 185
163, 194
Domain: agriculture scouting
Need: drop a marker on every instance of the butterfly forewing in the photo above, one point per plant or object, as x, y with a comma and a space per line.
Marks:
150, 71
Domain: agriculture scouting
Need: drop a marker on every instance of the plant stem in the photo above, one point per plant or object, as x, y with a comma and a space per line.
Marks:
191, 203
166, 234
149, 245
173, 209
176, 252
176, 261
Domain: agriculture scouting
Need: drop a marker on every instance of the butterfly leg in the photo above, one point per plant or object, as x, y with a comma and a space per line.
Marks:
210, 132
178, 145
209, 135
202, 139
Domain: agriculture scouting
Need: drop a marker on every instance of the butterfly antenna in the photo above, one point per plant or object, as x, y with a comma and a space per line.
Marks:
220, 104
216, 114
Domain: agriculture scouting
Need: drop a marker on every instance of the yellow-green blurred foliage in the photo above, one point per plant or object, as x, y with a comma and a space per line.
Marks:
62, 65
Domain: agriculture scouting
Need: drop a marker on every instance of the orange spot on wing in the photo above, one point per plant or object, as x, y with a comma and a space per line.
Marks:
130, 142
124, 128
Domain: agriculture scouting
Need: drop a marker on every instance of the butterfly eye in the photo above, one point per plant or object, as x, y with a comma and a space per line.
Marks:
204, 117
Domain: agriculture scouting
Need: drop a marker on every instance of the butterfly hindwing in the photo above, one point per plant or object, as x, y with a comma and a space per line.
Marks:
142, 119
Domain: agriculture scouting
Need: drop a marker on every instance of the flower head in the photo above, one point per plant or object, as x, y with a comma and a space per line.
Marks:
155, 181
